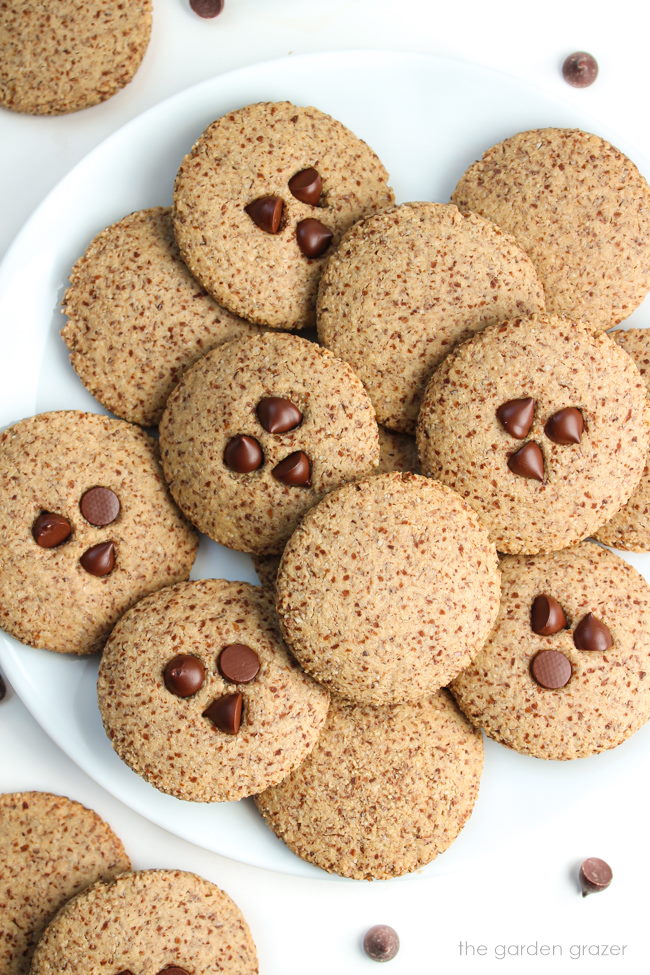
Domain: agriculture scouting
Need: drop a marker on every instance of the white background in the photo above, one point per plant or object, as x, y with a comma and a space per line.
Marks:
520, 895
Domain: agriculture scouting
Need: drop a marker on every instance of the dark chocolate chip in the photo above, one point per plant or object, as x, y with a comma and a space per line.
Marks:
126, 971
266, 212
307, 186
381, 943
184, 675
172, 970
99, 560
566, 426
294, 470
243, 454
516, 416
551, 669
3, 688
595, 875
100, 506
592, 634
546, 616
207, 9
50, 529
225, 712
528, 461
580, 69
238, 663
313, 237
278, 415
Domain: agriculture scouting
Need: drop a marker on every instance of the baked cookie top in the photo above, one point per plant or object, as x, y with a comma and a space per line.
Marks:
86, 528
565, 672
384, 791
264, 193
541, 425
137, 318
388, 588
581, 211
148, 923
199, 695
60, 57
51, 848
409, 283
257, 431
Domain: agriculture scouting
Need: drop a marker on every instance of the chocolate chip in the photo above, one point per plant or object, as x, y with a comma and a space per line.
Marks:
516, 416
266, 212
207, 9
307, 186
184, 675
580, 69
172, 970
278, 415
225, 712
294, 470
551, 669
126, 971
243, 454
381, 943
595, 875
313, 237
99, 560
3, 688
546, 616
238, 663
528, 461
566, 426
100, 506
50, 529
592, 634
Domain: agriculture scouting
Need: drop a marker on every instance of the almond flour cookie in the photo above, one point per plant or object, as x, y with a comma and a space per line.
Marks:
565, 672
199, 696
409, 283
148, 923
388, 588
257, 431
266, 191
60, 57
86, 528
137, 318
51, 848
541, 426
384, 791
581, 211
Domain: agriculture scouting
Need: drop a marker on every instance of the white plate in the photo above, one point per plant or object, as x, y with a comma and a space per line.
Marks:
428, 118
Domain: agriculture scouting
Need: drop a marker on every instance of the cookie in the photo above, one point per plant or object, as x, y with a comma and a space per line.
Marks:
60, 57
257, 431
266, 567
384, 791
565, 672
51, 848
408, 284
86, 528
199, 696
148, 923
267, 191
388, 588
581, 211
541, 425
137, 318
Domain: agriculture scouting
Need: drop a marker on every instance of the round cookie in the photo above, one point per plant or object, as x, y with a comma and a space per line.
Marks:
257, 431
408, 284
541, 426
388, 588
581, 211
222, 722
137, 318
384, 791
593, 632
148, 923
90, 489
254, 261
60, 57
51, 848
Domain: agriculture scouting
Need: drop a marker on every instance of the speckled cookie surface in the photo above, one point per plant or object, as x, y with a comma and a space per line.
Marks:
406, 285
137, 318
579, 208
384, 791
560, 365
218, 400
145, 923
168, 739
51, 848
60, 57
253, 153
607, 697
47, 464
388, 588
